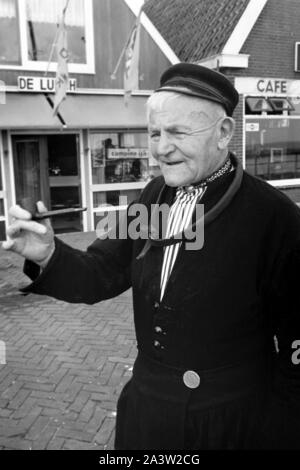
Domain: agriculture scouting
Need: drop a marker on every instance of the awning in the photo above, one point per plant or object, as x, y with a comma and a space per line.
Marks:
98, 111
33, 111
27, 111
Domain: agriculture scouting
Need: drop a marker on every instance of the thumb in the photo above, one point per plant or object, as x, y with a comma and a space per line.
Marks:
41, 207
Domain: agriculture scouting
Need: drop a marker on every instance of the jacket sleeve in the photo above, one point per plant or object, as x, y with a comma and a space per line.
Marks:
102, 272
281, 418
75, 276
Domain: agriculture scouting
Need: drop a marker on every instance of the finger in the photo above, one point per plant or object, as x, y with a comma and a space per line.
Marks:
13, 231
18, 213
41, 207
8, 244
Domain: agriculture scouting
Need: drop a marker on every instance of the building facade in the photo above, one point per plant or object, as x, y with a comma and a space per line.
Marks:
256, 44
94, 152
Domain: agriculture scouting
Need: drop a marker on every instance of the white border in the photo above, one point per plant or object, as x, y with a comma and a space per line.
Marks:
40, 66
135, 6
244, 27
276, 183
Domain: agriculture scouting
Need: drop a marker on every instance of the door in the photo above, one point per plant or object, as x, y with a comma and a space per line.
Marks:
47, 168
30, 156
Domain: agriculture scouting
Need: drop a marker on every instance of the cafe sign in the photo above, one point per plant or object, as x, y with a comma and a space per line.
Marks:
42, 84
116, 153
267, 86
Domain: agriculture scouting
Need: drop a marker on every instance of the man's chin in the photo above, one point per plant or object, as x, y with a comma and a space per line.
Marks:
174, 182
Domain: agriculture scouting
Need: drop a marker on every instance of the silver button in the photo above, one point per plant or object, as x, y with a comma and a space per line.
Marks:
158, 329
157, 344
191, 379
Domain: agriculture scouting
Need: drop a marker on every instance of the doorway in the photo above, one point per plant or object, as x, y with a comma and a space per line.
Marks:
47, 168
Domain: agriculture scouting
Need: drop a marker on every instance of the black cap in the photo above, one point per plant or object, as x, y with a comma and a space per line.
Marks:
196, 80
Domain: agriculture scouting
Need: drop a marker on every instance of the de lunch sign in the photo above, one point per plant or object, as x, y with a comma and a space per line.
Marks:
42, 84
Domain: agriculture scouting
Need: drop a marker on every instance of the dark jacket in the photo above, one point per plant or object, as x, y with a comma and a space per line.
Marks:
223, 304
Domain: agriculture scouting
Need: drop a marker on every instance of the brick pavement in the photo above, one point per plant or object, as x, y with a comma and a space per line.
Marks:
65, 364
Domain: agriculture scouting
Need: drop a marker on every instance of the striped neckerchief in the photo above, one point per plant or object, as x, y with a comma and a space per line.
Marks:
180, 216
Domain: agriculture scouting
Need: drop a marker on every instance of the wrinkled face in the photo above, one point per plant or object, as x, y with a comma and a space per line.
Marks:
183, 137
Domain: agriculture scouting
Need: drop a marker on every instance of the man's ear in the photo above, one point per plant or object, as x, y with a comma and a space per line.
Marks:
227, 128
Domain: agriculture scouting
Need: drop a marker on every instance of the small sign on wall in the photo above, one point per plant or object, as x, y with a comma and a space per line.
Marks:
262, 86
42, 84
252, 126
114, 153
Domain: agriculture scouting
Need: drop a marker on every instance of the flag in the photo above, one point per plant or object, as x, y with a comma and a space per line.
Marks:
132, 54
62, 74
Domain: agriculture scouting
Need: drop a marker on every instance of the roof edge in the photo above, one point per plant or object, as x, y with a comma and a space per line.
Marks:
225, 60
135, 6
244, 27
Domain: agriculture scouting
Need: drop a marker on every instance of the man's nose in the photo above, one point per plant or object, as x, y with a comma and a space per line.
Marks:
164, 145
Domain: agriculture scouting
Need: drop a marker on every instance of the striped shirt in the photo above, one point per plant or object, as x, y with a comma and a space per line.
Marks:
178, 220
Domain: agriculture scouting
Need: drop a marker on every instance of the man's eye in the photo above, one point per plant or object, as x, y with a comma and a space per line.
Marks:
154, 135
180, 134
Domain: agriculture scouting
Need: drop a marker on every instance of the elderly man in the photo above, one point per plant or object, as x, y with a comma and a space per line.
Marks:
207, 374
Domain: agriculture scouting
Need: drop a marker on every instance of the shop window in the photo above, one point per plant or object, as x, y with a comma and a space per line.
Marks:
121, 166
10, 52
273, 148
121, 158
257, 105
272, 105
280, 104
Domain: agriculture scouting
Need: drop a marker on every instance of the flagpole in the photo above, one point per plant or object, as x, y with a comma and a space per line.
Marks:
51, 52
131, 67
55, 40
62, 75
113, 75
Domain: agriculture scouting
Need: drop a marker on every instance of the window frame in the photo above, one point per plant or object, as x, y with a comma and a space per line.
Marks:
42, 66
3, 218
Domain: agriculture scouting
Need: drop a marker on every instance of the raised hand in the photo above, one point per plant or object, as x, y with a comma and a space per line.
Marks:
30, 239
